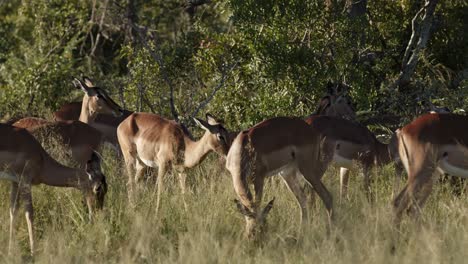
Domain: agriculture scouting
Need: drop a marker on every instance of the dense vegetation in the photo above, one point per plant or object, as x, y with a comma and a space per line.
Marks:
278, 54
244, 61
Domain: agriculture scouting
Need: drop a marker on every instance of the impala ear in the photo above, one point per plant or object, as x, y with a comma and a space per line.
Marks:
95, 160
242, 209
211, 119
76, 83
88, 81
80, 85
203, 124
268, 207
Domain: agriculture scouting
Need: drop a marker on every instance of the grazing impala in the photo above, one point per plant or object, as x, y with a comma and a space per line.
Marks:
81, 138
148, 140
343, 142
429, 143
285, 146
25, 163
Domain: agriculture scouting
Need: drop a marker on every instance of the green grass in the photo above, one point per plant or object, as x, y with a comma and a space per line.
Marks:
211, 230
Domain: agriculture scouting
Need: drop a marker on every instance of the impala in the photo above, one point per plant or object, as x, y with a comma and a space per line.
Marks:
79, 136
106, 123
344, 141
24, 163
95, 101
148, 140
429, 143
336, 102
285, 146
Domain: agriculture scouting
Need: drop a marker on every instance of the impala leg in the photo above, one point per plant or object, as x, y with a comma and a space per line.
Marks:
421, 188
292, 181
14, 204
344, 180
326, 157
130, 166
161, 173
398, 178
324, 194
139, 171
183, 187
400, 204
367, 183
29, 214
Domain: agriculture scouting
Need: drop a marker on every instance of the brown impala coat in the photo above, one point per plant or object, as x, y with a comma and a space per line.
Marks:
81, 138
282, 145
104, 123
430, 142
346, 141
148, 140
25, 163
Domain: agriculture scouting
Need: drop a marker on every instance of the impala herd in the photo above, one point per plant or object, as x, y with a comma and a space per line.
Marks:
291, 147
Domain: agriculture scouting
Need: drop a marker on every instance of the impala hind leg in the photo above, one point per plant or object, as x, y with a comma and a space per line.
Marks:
397, 179
415, 193
140, 169
29, 214
313, 175
183, 186
344, 180
366, 172
292, 181
14, 204
161, 173
130, 165
421, 189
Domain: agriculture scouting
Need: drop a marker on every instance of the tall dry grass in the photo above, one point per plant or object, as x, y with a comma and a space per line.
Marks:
211, 230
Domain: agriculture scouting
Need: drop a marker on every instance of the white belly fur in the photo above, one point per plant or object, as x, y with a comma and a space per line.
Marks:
149, 163
8, 176
284, 170
446, 167
342, 162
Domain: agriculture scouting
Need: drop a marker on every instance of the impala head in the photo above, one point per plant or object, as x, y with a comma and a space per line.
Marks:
97, 189
393, 146
255, 222
336, 102
96, 100
218, 136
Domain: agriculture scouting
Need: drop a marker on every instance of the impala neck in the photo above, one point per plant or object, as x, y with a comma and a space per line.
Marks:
195, 151
58, 175
86, 116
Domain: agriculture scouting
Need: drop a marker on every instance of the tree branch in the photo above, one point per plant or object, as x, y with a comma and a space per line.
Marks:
158, 59
420, 34
216, 89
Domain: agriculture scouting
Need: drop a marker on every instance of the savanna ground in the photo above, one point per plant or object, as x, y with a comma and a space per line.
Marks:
211, 230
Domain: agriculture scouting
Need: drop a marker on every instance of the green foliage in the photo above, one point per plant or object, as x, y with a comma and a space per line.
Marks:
267, 58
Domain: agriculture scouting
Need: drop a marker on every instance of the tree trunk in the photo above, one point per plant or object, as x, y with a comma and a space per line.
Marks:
418, 41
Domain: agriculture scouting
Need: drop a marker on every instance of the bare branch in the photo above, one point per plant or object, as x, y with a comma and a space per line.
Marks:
421, 34
216, 88
413, 38
157, 57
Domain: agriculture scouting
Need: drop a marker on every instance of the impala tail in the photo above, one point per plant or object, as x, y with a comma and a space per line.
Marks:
239, 165
403, 150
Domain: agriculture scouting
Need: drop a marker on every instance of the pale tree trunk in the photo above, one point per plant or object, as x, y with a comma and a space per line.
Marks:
418, 41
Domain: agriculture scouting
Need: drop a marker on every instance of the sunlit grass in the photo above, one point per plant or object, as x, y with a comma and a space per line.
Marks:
211, 230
